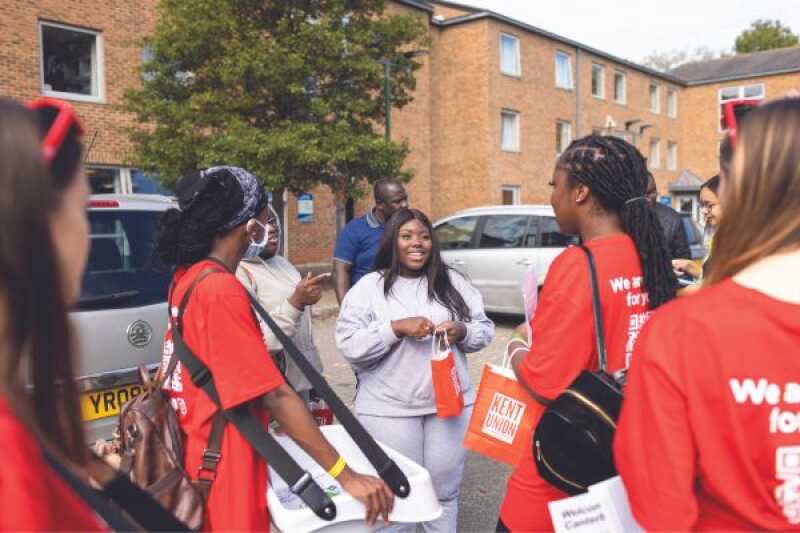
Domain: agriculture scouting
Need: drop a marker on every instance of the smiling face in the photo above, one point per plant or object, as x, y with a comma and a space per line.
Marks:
273, 242
414, 244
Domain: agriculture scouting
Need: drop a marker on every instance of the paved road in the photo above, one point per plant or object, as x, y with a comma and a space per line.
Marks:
484, 480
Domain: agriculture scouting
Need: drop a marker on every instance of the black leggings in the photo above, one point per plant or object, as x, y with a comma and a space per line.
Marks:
501, 527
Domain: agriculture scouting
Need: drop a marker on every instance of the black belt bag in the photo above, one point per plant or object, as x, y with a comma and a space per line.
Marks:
572, 444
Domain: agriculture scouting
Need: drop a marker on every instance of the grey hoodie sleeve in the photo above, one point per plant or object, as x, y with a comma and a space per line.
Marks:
360, 336
480, 330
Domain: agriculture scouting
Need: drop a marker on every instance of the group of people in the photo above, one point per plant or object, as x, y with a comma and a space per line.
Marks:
708, 435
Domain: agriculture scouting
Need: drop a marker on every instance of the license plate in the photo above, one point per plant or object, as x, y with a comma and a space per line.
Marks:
105, 403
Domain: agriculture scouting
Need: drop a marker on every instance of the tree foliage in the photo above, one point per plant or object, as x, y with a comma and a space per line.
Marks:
666, 61
765, 35
288, 89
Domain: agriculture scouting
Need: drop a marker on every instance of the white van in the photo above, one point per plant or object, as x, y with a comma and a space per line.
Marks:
496, 245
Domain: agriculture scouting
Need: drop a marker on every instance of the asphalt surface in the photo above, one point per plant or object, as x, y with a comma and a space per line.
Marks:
484, 480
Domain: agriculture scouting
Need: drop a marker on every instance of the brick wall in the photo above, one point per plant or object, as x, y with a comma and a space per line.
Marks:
700, 118
121, 23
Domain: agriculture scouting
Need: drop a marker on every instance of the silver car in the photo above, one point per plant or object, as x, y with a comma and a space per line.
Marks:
496, 245
121, 316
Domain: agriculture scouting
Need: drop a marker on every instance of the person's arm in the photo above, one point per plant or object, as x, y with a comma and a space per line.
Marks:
654, 449
292, 414
342, 278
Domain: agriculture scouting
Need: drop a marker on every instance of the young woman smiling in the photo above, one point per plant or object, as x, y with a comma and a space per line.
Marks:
384, 331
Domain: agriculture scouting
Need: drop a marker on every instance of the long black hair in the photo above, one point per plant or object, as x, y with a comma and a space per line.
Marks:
617, 175
37, 340
186, 236
440, 286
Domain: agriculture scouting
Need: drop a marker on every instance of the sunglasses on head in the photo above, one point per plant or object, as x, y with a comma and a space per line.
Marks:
65, 120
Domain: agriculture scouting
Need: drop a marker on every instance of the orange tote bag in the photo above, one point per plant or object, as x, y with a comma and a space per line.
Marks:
446, 386
501, 426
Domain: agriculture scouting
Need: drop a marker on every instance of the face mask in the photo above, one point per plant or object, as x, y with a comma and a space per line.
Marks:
255, 248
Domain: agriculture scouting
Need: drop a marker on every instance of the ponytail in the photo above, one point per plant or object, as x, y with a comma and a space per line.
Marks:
617, 175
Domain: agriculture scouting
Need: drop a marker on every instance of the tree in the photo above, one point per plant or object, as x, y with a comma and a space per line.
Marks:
666, 61
765, 35
290, 90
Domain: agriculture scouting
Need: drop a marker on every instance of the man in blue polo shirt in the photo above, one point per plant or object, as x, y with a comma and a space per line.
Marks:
358, 242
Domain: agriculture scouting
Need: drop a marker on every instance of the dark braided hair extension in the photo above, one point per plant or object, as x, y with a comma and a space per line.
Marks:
186, 237
616, 173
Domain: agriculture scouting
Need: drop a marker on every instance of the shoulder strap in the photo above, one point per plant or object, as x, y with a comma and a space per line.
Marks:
600, 336
386, 468
118, 498
300, 482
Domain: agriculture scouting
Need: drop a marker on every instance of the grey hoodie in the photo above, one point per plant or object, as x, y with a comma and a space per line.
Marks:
394, 375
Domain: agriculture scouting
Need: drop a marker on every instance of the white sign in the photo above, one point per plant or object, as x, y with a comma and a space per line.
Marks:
603, 509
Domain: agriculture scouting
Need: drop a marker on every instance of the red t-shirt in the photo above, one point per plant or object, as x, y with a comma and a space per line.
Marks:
709, 436
220, 329
32, 496
564, 345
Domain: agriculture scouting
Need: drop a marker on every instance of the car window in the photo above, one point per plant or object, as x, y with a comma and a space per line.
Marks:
119, 272
551, 236
456, 234
504, 231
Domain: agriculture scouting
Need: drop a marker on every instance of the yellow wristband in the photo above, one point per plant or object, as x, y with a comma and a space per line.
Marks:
337, 468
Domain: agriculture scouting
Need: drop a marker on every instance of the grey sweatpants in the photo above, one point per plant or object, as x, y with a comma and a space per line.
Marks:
436, 444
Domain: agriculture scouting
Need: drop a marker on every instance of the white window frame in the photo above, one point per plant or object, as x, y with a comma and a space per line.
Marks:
657, 108
740, 96
100, 97
624, 99
515, 193
515, 114
568, 124
654, 158
672, 103
571, 81
518, 59
672, 155
602, 85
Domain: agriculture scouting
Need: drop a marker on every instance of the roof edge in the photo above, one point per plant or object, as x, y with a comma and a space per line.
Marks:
417, 4
482, 14
709, 81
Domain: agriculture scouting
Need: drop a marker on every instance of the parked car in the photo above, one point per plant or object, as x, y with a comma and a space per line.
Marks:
495, 246
694, 236
121, 316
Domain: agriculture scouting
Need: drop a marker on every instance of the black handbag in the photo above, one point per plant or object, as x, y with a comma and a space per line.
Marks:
572, 444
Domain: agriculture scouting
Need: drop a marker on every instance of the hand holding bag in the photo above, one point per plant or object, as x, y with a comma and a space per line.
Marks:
447, 388
502, 417
572, 445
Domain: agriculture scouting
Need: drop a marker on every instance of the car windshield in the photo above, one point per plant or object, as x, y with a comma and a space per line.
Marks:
119, 271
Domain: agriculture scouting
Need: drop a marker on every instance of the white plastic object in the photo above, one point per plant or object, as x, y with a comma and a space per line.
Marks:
289, 514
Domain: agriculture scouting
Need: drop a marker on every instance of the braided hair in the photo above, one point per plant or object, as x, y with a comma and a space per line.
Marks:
616, 173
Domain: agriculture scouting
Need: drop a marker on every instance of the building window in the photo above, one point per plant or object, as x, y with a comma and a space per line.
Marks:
744, 92
672, 103
620, 95
510, 194
563, 71
509, 55
563, 135
672, 156
655, 153
509, 131
598, 81
71, 62
655, 100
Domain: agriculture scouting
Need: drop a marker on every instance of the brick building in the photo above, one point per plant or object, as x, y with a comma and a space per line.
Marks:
496, 101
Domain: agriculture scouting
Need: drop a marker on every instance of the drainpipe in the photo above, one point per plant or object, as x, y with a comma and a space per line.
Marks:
577, 93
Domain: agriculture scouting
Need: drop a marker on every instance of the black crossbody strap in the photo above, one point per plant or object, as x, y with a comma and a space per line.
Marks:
299, 481
386, 468
117, 496
599, 333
